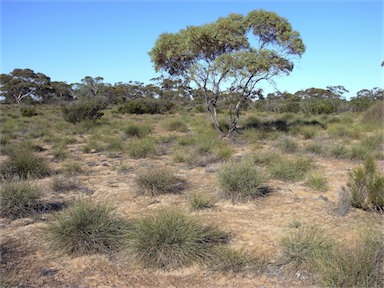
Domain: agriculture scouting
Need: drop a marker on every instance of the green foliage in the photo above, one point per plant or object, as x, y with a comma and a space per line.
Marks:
288, 145
141, 148
158, 181
175, 125
135, 130
170, 239
19, 199
23, 163
28, 111
314, 147
356, 266
287, 169
317, 181
366, 187
87, 228
339, 150
200, 201
241, 181
83, 110
146, 106
374, 116
302, 245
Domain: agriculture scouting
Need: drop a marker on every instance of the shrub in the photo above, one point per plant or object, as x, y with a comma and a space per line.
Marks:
28, 111
23, 163
241, 181
83, 110
19, 199
170, 239
158, 181
199, 201
366, 187
146, 106
87, 228
340, 151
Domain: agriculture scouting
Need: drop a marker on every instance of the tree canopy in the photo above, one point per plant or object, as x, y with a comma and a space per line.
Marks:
230, 55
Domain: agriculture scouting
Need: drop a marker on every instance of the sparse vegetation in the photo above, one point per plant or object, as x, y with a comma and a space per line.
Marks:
317, 181
200, 201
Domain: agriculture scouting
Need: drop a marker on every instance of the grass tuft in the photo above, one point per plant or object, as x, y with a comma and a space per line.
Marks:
154, 182
87, 228
170, 239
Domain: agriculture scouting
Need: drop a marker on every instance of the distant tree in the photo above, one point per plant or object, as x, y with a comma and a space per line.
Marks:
89, 87
60, 92
22, 84
218, 58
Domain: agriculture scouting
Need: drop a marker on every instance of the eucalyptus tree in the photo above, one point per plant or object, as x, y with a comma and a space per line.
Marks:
229, 56
22, 84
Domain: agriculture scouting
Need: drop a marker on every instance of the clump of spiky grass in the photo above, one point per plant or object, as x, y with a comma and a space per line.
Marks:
72, 168
19, 199
317, 181
23, 163
241, 181
287, 169
135, 130
302, 245
355, 265
367, 187
87, 227
175, 125
199, 201
288, 145
315, 148
63, 184
170, 239
339, 151
141, 148
229, 260
153, 182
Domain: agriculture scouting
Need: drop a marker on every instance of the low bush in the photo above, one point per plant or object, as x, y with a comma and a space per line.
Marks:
241, 181
134, 130
175, 125
87, 228
317, 181
146, 106
28, 111
155, 181
366, 187
19, 199
83, 110
170, 239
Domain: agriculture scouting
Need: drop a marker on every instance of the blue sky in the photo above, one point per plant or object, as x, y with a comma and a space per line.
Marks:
68, 40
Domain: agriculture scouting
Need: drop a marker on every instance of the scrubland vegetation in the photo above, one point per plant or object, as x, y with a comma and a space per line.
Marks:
158, 192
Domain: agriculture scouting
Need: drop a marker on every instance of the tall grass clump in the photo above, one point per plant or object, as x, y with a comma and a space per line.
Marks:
23, 163
288, 145
170, 239
241, 181
302, 245
199, 201
87, 228
356, 265
288, 169
135, 130
175, 125
141, 148
317, 181
366, 187
154, 182
19, 199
